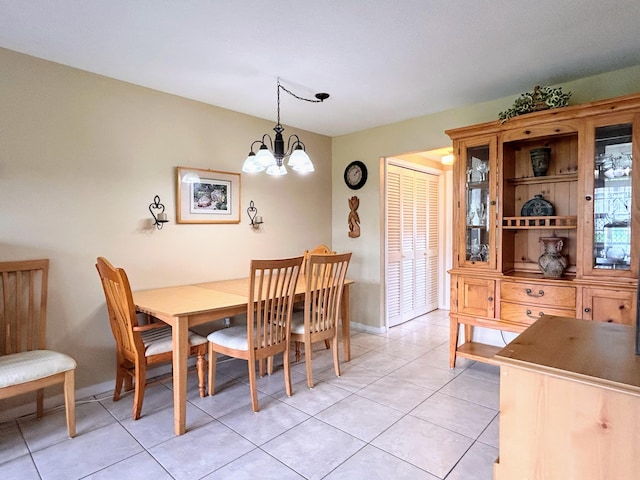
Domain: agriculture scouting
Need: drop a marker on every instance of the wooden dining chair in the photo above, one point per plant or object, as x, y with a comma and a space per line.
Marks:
25, 363
139, 346
319, 319
319, 250
272, 288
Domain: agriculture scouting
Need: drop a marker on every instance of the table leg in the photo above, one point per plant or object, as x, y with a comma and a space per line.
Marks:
180, 338
346, 323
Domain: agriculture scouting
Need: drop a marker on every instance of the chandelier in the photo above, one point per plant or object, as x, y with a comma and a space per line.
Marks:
272, 153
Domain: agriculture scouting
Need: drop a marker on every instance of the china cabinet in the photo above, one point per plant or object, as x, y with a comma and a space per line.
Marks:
504, 204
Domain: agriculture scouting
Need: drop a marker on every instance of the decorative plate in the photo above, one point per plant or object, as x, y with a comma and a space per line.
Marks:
537, 207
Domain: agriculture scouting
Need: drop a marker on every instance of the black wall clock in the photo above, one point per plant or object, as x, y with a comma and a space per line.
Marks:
355, 175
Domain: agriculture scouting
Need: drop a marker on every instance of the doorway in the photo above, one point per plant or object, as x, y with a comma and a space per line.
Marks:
413, 233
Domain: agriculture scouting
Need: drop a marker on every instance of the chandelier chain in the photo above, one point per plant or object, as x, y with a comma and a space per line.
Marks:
301, 98
311, 100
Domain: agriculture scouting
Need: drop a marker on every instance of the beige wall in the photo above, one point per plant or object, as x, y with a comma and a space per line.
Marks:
419, 134
81, 158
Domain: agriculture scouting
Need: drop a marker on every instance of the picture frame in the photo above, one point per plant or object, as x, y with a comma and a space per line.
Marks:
207, 196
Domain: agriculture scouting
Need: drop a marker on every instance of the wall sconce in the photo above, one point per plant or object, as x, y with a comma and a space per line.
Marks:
252, 211
161, 218
447, 159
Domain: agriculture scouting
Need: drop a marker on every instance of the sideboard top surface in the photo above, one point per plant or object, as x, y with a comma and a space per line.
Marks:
598, 353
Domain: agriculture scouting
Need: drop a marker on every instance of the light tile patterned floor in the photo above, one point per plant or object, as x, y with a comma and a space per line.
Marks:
397, 411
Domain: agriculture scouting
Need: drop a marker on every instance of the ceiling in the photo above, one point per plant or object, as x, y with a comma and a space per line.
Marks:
382, 61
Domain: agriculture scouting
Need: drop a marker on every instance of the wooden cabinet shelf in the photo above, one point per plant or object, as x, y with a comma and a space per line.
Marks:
540, 223
478, 351
565, 177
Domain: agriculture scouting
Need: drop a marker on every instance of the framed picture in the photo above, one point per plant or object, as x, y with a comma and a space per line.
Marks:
207, 196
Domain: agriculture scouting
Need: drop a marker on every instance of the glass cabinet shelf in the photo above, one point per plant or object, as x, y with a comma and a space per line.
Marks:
478, 185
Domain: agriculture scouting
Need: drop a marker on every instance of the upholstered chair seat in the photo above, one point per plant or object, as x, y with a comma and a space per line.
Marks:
29, 366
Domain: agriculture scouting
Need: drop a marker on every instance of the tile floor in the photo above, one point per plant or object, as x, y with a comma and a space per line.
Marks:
397, 411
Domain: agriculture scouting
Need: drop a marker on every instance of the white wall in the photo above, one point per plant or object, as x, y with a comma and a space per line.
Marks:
81, 158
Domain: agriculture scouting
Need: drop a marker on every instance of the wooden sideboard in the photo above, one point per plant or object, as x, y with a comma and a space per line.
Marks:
569, 402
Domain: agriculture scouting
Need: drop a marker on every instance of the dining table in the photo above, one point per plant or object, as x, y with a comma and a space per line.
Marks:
185, 306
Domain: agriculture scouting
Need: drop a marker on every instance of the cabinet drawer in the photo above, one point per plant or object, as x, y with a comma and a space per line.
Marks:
528, 314
538, 131
539, 294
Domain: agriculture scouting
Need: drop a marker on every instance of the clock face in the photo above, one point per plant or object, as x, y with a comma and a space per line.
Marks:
355, 175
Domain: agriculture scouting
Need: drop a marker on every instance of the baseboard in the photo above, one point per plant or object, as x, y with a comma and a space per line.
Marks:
361, 327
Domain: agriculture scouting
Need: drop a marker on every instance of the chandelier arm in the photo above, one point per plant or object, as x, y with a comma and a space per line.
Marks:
266, 135
254, 142
293, 143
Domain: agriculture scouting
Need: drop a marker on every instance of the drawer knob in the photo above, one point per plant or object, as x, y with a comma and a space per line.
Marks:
587, 310
536, 295
529, 314
490, 299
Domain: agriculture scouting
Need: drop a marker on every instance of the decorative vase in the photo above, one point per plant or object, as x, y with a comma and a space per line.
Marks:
540, 161
552, 262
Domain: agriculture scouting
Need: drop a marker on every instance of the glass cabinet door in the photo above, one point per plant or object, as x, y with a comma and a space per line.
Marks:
477, 205
611, 216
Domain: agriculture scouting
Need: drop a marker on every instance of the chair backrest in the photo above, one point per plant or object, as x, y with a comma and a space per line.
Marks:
23, 305
325, 279
319, 250
122, 310
271, 295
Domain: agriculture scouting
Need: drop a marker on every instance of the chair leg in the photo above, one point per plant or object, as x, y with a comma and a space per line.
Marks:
140, 384
336, 360
297, 351
261, 368
201, 366
128, 383
70, 401
39, 403
327, 345
287, 372
307, 361
252, 385
120, 376
269, 365
212, 370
